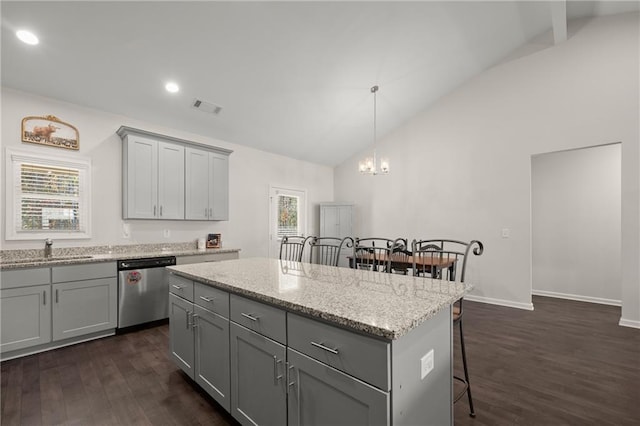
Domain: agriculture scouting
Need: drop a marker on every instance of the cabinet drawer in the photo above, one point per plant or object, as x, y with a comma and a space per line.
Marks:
211, 298
61, 274
261, 318
24, 277
181, 286
360, 356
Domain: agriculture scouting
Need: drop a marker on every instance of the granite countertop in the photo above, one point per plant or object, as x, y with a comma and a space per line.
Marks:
375, 303
22, 259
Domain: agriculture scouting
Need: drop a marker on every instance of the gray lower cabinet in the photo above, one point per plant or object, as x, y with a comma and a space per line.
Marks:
199, 336
258, 378
322, 395
181, 335
25, 317
83, 307
85, 299
212, 354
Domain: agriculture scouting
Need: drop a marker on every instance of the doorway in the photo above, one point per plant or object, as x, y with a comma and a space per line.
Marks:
287, 215
576, 224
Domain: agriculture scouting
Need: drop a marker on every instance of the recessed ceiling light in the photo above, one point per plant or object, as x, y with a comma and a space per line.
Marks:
27, 37
172, 87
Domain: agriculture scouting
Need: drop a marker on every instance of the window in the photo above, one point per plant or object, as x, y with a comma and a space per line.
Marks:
47, 197
287, 215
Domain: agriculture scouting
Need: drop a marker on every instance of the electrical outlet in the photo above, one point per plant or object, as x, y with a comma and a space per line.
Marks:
506, 232
426, 364
167, 233
126, 230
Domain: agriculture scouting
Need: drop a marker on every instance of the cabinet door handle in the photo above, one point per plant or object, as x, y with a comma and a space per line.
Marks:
160, 210
188, 319
207, 299
210, 212
44, 297
321, 346
194, 324
276, 376
289, 368
57, 299
249, 316
206, 212
154, 210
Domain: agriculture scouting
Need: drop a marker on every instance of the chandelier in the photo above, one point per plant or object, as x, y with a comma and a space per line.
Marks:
370, 164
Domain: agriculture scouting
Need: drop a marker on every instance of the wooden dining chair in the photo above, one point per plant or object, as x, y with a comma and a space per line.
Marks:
447, 260
327, 250
293, 247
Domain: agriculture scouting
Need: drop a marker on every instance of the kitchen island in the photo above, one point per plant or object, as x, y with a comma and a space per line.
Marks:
279, 342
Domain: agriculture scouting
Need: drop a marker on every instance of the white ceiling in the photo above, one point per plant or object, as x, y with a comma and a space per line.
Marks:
292, 78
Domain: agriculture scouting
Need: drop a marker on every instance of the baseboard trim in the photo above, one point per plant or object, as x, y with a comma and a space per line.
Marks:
500, 302
577, 297
629, 323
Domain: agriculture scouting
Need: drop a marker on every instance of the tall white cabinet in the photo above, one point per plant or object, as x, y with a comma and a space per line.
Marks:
169, 178
337, 220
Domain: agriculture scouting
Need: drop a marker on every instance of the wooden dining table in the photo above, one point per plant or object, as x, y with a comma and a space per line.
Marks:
400, 261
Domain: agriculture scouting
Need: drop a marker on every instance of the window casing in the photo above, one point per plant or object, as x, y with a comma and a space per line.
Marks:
47, 197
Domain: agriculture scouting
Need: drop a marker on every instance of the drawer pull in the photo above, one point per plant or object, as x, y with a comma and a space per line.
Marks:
194, 323
249, 316
177, 287
207, 299
321, 346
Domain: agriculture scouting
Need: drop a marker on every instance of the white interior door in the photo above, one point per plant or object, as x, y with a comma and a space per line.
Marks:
287, 215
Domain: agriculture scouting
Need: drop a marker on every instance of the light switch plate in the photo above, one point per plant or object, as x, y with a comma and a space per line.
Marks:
426, 364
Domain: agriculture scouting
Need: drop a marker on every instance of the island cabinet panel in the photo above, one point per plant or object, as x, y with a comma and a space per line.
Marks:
261, 318
212, 355
199, 337
363, 357
84, 307
181, 337
25, 315
258, 378
322, 395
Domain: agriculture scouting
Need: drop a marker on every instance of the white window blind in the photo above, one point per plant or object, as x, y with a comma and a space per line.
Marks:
49, 197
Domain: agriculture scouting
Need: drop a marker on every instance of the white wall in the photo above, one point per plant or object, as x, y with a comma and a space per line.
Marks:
575, 229
250, 173
462, 169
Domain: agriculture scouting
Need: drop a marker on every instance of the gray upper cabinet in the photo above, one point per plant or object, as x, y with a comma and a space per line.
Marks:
207, 185
170, 178
153, 179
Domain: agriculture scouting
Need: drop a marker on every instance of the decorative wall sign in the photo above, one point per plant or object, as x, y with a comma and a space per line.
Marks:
213, 240
49, 130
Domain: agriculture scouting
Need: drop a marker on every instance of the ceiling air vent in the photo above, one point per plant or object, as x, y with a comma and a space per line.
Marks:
207, 107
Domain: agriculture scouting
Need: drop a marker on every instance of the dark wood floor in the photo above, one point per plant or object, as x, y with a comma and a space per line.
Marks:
566, 363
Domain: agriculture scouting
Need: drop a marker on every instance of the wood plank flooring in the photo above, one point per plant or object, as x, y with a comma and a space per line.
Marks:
565, 363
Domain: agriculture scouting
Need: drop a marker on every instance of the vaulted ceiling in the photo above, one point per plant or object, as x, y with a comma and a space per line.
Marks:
292, 78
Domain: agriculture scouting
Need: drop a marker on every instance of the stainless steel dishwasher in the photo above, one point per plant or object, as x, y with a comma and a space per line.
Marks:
143, 290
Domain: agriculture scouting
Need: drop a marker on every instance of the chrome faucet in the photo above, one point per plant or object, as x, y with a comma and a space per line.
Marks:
48, 243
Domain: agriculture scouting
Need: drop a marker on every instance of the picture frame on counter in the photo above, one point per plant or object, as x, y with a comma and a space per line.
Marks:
214, 240
51, 131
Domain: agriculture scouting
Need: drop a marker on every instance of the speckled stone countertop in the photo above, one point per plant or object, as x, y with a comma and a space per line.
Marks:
375, 303
33, 258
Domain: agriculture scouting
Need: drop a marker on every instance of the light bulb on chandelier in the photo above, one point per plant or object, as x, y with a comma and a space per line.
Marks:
370, 164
